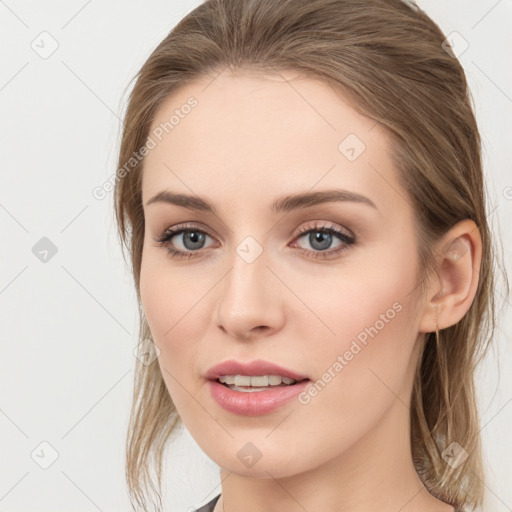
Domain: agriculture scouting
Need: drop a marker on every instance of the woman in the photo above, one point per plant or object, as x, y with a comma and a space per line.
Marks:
300, 189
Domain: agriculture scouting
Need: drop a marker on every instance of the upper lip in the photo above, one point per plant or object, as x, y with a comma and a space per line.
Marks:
253, 368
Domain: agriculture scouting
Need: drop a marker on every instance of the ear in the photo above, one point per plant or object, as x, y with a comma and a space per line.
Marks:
451, 292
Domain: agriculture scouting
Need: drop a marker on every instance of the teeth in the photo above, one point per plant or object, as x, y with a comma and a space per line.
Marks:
256, 381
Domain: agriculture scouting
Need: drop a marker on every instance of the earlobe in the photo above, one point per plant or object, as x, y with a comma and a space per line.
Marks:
452, 293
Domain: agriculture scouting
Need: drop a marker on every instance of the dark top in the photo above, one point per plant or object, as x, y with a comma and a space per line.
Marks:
209, 506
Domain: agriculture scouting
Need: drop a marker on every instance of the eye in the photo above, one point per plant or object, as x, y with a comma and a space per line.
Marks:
189, 240
320, 237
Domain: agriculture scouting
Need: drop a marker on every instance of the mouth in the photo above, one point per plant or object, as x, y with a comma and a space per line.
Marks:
250, 384
254, 387
241, 395
256, 373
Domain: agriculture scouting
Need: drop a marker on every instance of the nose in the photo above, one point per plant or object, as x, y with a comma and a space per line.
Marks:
249, 300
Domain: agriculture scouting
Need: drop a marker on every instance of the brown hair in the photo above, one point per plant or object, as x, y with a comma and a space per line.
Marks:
387, 56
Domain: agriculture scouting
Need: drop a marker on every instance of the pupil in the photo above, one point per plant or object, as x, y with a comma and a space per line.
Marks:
320, 240
194, 239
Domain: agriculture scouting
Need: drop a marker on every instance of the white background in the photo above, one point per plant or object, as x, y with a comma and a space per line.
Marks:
69, 325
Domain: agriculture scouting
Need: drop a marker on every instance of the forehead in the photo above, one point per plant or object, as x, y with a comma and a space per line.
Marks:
279, 131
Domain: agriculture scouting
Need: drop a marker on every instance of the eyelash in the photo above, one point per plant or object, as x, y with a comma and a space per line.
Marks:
165, 237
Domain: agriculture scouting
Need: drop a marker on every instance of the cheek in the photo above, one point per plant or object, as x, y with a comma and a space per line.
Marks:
155, 300
370, 302
366, 364
166, 294
165, 305
373, 293
174, 310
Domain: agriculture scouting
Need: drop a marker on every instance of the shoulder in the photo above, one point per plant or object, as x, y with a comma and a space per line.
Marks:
209, 506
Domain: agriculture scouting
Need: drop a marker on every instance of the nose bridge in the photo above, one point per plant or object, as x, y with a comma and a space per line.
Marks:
247, 298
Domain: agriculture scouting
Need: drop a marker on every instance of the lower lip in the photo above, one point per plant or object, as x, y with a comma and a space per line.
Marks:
256, 402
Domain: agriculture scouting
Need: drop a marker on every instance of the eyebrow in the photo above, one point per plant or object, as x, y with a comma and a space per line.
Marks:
284, 204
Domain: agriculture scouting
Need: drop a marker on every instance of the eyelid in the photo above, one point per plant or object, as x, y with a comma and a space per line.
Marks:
327, 226
184, 226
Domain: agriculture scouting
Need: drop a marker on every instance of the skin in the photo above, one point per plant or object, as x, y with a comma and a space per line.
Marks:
249, 141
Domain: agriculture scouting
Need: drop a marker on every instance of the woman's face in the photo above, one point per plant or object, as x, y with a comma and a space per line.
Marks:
260, 278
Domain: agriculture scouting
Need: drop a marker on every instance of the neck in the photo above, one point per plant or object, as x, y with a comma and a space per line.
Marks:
377, 473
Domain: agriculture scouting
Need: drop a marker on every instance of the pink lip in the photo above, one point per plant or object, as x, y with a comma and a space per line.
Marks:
256, 402
254, 368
